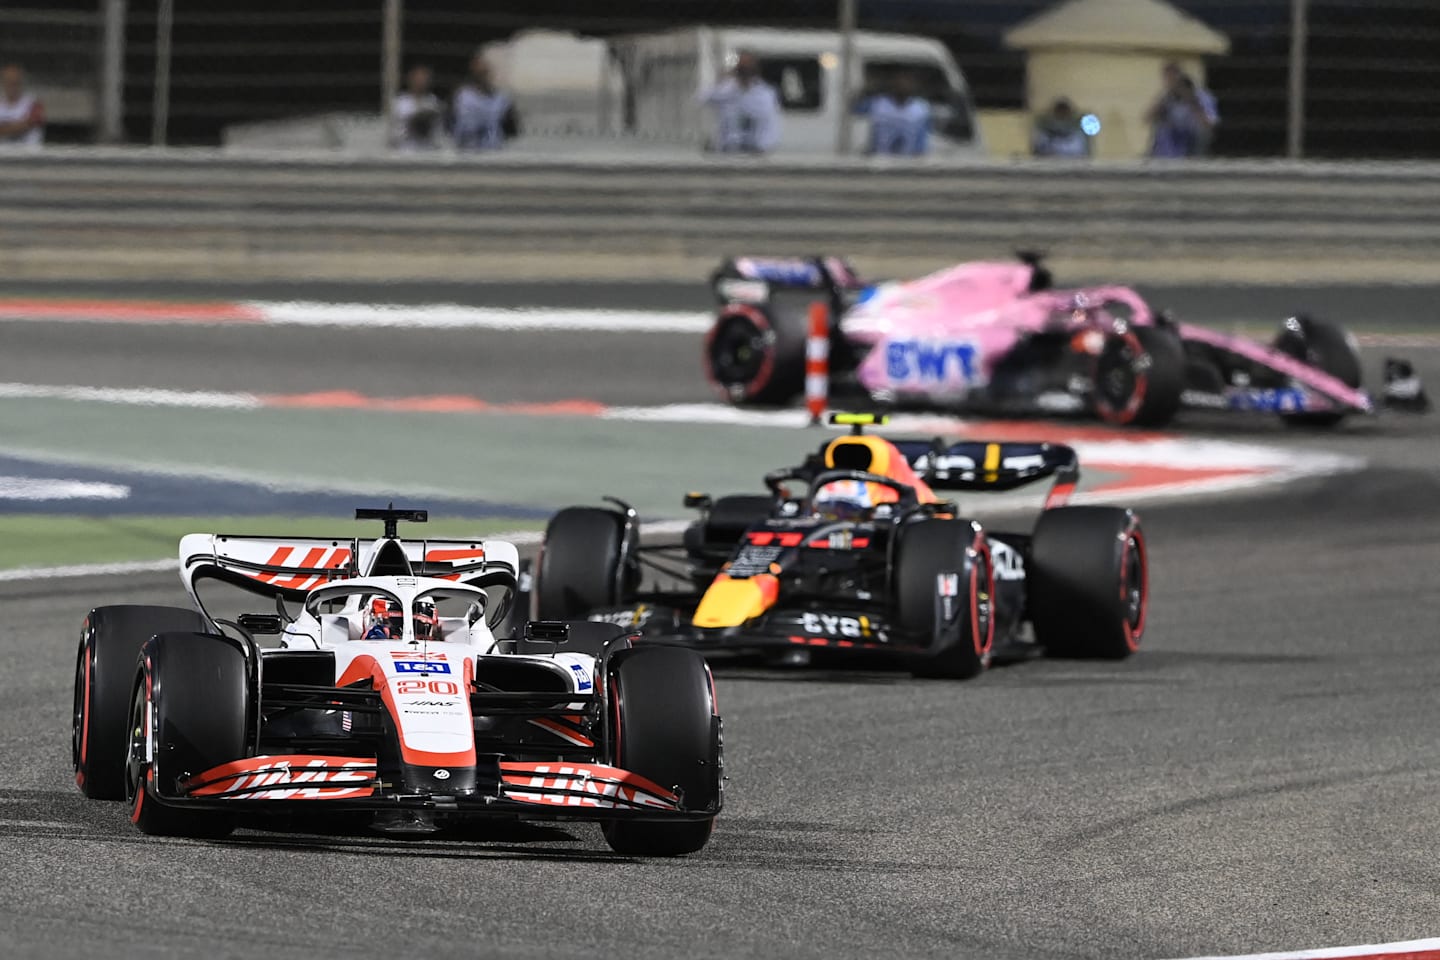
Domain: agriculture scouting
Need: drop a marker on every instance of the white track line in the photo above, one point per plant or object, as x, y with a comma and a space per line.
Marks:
33, 489
1382, 951
454, 316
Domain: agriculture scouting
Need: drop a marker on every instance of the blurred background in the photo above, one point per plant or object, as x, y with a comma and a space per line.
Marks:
452, 245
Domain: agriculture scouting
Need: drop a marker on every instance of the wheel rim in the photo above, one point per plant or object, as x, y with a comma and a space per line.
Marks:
1116, 377
82, 691
136, 761
738, 354
1133, 588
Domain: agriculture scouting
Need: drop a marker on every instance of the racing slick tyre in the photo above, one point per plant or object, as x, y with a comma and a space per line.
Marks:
945, 565
581, 561
189, 714
1323, 346
731, 516
110, 642
1139, 377
1087, 582
665, 727
757, 355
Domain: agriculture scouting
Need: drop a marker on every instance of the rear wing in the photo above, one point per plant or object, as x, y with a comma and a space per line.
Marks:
979, 465
753, 279
289, 567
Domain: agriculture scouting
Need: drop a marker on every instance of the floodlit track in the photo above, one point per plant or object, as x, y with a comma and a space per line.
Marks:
1264, 775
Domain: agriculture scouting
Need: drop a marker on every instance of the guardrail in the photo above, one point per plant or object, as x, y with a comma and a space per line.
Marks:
207, 213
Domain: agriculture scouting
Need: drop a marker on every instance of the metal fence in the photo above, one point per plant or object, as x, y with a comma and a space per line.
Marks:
1330, 78
212, 214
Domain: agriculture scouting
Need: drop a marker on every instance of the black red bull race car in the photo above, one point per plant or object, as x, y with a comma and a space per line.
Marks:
887, 567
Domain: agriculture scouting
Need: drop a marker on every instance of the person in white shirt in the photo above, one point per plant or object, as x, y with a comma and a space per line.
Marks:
22, 115
484, 114
899, 118
416, 113
747, 110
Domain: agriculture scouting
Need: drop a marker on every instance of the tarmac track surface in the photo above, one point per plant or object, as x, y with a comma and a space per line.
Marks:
1263, 775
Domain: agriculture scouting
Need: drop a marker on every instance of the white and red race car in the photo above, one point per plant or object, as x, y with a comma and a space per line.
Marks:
387, 692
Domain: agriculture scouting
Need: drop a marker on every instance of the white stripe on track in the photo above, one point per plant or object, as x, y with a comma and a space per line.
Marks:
33, 489
143, 396
1387, 951
454, 316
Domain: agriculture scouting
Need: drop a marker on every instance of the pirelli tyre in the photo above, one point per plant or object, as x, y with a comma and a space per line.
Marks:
582, 565
189, 712
1139, 377
756, 354
110, 642
943, 567
1088, 582
665, 727
1323, 346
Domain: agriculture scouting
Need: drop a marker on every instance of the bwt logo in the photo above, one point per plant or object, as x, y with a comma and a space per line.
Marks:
930, 361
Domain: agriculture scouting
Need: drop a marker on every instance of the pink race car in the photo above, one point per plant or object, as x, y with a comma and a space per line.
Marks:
996, 338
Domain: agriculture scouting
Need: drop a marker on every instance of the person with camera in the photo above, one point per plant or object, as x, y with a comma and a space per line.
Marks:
747, 110
1183, 117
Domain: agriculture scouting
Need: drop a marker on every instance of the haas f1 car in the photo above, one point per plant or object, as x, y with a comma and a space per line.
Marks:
388, 694
853, 552
995, 338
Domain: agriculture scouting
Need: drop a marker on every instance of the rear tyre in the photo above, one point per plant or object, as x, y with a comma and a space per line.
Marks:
1139, 377
929, 550
188, 715
1087, 583
665, 728
757, 355
580, 564
110, 642
1323, 346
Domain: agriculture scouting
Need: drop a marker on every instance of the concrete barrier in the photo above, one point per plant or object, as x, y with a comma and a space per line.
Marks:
199, 214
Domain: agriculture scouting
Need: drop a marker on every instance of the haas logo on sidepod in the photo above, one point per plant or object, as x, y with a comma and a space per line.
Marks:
930, 361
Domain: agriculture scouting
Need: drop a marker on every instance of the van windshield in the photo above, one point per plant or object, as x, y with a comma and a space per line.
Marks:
951, 113
797, 79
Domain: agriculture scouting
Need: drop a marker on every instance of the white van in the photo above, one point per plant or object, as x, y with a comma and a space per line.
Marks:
663, 74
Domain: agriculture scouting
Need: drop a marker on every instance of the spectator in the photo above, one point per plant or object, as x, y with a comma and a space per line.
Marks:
747, 110
1058, 133
22, 115
899, 119
1183, 116
484, 115
416, 113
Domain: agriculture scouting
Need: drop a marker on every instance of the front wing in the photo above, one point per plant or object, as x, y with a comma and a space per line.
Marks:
532, 790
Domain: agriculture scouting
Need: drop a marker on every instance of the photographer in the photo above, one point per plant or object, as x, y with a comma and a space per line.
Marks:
1183, 117
747, 110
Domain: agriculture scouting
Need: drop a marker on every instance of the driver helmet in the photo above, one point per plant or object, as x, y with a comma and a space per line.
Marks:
380, 623
427, 624
844, 500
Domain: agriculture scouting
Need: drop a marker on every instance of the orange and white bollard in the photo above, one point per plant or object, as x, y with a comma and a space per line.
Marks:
817, 361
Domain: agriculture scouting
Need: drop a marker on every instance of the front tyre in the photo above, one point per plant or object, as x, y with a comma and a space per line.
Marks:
1325, 347
944, 594
188, 714
1088, 582
666, 728
581, 564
